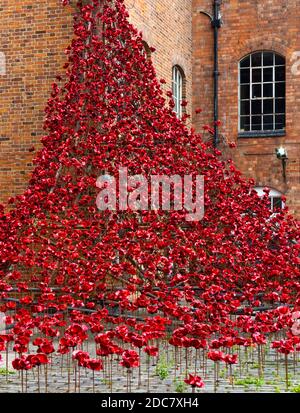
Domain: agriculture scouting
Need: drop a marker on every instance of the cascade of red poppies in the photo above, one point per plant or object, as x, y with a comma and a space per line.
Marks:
69, 272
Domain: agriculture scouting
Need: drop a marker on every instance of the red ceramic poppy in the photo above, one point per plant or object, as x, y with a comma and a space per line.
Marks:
130, 359
94, 364
151, 351
194, 381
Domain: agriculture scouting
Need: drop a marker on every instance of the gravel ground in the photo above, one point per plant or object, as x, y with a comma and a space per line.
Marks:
60, 376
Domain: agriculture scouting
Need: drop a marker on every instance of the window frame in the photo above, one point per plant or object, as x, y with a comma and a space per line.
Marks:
273, 194
178, 82
147, 50
260, 85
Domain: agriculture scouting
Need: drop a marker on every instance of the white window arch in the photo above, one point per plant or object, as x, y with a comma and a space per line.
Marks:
177, 88
275, 198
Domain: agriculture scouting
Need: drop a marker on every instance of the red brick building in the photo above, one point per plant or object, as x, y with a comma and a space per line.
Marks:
259, 75
259, 86
33, 37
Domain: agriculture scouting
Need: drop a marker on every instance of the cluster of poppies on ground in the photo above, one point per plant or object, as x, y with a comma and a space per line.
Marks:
127, 280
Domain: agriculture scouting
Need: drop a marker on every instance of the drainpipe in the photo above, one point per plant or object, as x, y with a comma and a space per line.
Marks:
216, 22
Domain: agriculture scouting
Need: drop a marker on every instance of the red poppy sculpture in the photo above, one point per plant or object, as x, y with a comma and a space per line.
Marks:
76, 270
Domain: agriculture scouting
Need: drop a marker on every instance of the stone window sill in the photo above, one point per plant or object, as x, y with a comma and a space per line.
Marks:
262, 134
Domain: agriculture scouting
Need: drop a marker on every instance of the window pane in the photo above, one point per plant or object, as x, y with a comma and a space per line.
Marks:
245, 92
277, 203
245, 76
256, 91
279, 121
268, 106
245, 123
245, 107
256, 59
280, 105
280, 73
268, 59
256, 107
279, 60
268, 122
177, 90
268, 74
256, 75
268, 90
256, 122
245, 62
280, 89
263, 89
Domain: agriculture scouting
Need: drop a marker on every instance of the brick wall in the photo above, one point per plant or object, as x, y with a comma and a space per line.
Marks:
251, 25
167, 26
33, 37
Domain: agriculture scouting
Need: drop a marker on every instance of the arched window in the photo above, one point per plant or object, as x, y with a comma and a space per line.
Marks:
262, 93
2, 64
275, 198
178, 79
